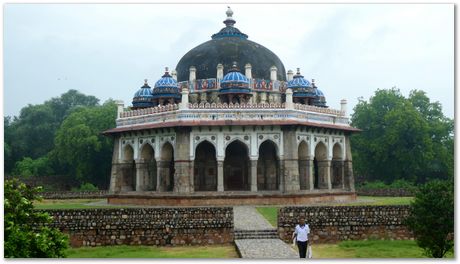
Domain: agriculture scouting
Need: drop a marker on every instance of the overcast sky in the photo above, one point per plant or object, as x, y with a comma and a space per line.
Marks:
107, 50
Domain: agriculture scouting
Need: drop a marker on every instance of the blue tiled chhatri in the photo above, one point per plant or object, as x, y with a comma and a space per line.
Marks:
234, 82
298, 82
166, 86
142, 98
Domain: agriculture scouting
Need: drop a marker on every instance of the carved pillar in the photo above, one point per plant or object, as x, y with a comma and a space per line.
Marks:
310, 176
182, 163
303, 175
141, 175
220, 175
324, 171
291, 162
254, 175
348, 166
161, 177
116, 173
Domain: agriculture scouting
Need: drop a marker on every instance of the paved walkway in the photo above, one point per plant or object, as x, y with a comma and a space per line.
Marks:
247, 218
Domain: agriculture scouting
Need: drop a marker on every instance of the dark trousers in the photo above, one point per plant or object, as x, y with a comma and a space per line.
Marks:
302, 248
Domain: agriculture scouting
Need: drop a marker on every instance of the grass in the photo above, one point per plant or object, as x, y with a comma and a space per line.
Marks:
228, 251
270, 213
370, 249
70, 204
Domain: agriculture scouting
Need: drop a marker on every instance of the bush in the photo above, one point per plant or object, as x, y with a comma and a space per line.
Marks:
431, 217
85, 187
28, 167
374, 185
26, 233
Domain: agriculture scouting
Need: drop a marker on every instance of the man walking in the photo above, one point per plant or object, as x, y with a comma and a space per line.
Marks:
301, 234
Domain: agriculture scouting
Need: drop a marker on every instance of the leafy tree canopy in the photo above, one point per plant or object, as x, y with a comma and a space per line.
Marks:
80, 146
31, 134
402, 138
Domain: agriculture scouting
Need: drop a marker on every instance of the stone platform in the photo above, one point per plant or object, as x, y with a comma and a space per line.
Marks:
230, 198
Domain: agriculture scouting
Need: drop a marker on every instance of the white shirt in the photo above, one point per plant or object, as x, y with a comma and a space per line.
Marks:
302, 232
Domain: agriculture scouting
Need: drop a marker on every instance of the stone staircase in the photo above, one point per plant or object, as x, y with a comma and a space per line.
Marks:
256, 234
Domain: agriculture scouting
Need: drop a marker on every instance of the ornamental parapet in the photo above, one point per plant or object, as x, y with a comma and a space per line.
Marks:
174, 107
263, 112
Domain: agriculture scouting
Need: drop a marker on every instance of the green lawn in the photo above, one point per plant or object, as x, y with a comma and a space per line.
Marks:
370, 249
71, 204
228, 251
271, 212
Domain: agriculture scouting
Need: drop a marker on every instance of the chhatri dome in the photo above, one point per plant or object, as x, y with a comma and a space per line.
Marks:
225, 47
143, 97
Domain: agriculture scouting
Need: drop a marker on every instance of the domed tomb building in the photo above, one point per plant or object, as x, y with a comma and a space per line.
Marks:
229, 126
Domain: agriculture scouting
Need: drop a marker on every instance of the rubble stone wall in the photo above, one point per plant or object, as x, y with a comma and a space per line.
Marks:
146, 226
331, 224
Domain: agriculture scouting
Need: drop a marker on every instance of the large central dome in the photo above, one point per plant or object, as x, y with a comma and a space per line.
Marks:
226, 47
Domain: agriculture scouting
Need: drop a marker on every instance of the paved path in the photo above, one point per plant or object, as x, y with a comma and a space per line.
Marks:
247, 218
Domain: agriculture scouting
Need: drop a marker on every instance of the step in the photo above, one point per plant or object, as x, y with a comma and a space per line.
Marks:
256, 234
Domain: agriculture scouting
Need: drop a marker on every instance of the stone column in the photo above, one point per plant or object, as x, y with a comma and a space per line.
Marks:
291, 162
160, 176
253, 175
348, 166
324, 170
310, 175
220, 175
192, 177
116, 172
141, 175
181, 160
303, 178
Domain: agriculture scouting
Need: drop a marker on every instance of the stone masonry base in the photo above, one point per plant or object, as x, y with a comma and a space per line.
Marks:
229, 198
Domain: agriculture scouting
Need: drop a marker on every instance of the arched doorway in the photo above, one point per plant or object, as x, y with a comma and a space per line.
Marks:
304, 165
267, 167
205, 167
128, 170
148, 168
167, 168
321, 166
236, 165
337, 166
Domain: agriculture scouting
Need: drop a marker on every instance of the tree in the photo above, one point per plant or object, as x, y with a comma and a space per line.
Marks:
402, 138
26, 233
431, 217
32, 133
33, 167
80, 146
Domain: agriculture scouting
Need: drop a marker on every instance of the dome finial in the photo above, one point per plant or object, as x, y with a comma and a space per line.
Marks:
229, 12
298, 70
229, 22
166, 69
145, 81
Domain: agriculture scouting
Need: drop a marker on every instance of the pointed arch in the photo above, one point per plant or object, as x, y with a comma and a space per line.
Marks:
205, 167
167, 168
304, 165
147, 168
337, 166
236, 166
128, 171
268, 169
320, 166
